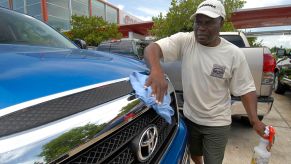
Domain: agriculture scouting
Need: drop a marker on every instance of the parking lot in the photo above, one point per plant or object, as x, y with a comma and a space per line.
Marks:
243, 139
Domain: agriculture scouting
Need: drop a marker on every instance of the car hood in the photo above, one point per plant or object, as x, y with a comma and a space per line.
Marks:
31, 72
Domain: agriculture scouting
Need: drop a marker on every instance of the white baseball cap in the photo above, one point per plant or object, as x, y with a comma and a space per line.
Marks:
210, 8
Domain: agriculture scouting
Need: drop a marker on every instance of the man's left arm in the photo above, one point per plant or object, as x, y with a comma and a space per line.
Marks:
249, 101
242, 84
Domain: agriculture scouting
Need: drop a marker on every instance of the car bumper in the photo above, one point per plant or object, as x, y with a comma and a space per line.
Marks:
286, 81
264, 106
178, 151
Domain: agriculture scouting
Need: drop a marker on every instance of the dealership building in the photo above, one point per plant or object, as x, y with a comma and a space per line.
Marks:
57, 13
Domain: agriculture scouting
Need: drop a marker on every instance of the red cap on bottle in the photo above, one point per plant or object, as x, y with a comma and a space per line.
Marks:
270, 134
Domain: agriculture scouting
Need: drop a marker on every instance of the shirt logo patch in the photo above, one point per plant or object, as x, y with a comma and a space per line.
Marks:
217, 71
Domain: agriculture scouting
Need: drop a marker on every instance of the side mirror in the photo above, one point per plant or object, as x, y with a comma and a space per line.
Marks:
80, 43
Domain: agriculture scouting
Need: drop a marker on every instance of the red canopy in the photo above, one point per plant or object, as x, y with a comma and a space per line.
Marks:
262, 17
244, 18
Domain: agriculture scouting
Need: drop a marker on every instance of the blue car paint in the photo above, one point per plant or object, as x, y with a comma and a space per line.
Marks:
177, 148
30, 72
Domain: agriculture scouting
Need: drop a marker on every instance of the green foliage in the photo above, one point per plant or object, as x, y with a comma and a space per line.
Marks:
69, 140
178, 17
128, 107
92, 29
253, 41
274, 49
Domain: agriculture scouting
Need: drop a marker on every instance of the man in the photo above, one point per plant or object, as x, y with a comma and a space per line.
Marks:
212, 70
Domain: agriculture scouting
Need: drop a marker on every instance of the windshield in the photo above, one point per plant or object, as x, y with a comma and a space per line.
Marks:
120, 47
234, 39
18, 28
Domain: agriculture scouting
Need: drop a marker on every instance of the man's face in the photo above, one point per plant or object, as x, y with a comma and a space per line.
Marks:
207, 29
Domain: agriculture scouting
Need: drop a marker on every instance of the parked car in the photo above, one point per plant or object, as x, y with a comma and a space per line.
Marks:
282, 71
132, 48
63, 104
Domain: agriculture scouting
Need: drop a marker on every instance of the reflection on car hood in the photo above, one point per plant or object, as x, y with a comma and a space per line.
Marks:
30, 72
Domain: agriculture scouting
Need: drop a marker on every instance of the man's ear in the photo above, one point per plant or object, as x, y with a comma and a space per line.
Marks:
221, 22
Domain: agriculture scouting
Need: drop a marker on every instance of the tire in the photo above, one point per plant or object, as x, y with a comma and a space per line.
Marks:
278, 86
260, 117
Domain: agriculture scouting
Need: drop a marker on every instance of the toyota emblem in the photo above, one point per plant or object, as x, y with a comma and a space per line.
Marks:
147, 143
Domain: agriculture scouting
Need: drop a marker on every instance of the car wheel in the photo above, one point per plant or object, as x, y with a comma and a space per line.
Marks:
278, 86
260, 117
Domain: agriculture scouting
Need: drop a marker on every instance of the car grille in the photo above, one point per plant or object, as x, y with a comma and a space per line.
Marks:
116, 148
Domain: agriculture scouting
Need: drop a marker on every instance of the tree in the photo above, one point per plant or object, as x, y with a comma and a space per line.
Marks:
274, 49
178, 17
69, 140
93, 30
253, 41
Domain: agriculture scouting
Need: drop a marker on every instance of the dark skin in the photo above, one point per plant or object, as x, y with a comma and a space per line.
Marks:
206, 31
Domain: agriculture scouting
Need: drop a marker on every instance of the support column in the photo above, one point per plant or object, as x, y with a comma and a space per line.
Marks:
10, 4
90, 7
44, 11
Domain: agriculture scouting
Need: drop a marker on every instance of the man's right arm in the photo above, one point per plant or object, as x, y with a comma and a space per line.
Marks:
156, 80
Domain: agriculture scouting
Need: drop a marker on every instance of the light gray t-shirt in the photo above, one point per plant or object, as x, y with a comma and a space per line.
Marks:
209, 76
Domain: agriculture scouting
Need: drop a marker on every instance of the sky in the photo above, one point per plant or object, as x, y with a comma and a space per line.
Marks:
146, 9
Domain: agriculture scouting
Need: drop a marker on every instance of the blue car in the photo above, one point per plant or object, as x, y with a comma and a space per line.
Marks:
63, 104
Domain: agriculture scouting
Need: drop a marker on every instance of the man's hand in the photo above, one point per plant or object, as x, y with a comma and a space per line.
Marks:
156, 79
259, 127
159, 85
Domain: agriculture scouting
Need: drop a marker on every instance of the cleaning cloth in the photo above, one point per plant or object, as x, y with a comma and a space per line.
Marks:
164, 109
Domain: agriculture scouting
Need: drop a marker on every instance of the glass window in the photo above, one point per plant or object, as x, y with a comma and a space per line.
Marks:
111, 14
98, 9
31, 2
61, 3
21, 10
59, 24
59, 14
80, 7
34, 10
25, 30
18, 6
4, 3
122, 47
39, 17
58, 11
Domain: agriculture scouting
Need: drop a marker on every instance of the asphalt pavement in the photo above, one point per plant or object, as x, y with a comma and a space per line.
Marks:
243, 139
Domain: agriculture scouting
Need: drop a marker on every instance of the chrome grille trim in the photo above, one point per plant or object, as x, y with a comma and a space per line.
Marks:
62, 107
